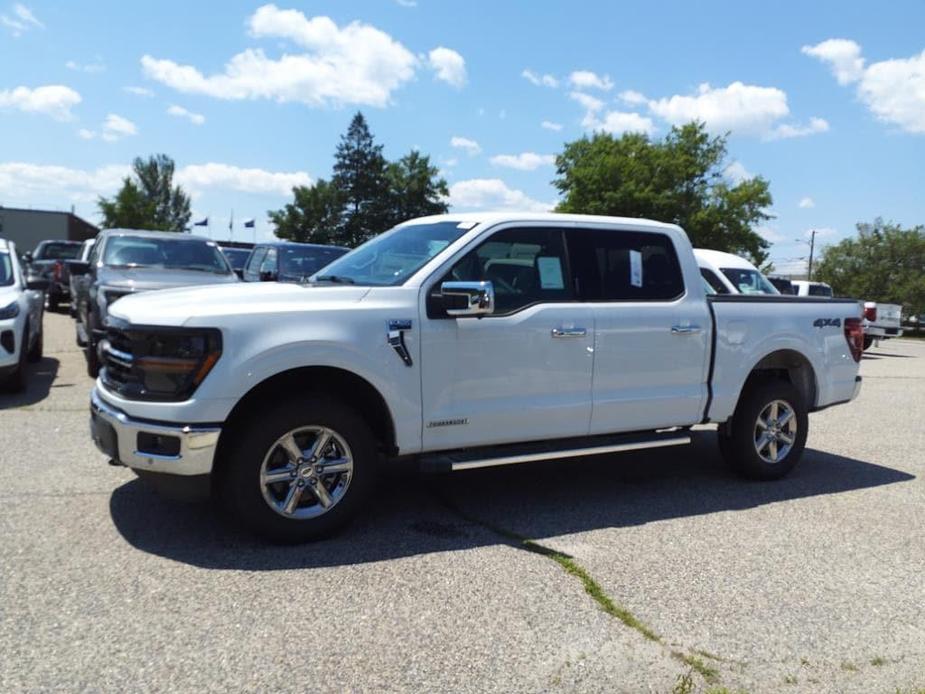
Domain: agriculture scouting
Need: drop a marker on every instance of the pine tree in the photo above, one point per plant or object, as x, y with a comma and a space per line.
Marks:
360, 175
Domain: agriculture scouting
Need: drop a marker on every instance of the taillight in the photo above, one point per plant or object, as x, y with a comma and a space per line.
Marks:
870, 313
59, 266
854, 334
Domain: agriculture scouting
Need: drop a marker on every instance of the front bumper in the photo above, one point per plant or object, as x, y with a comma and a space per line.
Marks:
117, 435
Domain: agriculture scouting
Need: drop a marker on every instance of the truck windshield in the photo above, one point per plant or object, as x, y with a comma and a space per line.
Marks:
169, 254
6, 270
297, 262
749, 281
392, 258
58, 251
820, 290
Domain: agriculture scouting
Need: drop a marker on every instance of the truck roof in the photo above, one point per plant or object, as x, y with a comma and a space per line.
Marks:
721, 259
552, 217
144, 233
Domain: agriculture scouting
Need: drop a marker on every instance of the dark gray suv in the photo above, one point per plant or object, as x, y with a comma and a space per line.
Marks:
125, 261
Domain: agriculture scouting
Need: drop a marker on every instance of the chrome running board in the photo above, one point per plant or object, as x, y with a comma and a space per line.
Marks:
512, 455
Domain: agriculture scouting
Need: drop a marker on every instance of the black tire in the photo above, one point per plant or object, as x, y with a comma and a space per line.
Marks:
242, 492
53, 300
90, 350
36, 352
93, 359
739, 441
868, 342
16, 381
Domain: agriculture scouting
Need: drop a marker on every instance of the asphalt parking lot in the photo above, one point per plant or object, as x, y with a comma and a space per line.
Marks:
814, 583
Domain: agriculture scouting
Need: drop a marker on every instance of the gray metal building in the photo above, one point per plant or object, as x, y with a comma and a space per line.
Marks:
26, 228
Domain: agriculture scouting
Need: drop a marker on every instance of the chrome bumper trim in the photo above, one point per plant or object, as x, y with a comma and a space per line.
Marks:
197, 443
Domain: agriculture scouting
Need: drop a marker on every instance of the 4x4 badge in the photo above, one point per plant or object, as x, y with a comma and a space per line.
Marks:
396, 335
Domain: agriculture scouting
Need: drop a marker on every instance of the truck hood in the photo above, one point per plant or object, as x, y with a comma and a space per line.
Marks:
177, 307
146, 279
8, 295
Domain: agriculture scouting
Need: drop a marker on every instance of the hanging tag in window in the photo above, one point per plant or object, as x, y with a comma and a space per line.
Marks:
636, 268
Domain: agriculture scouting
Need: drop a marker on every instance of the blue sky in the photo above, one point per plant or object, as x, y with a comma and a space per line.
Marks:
825, 99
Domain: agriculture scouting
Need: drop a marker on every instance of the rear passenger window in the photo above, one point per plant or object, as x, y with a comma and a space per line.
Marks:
525, 266
611, 265
714, 281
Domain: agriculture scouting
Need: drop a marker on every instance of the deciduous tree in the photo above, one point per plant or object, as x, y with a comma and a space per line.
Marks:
679, 179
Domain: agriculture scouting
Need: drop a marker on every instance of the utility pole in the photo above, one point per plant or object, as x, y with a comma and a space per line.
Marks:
812, 245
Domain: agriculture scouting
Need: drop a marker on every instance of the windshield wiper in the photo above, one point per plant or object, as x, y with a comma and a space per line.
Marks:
335, 279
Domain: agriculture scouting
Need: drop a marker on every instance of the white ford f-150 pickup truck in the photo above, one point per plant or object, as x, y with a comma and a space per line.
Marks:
461, 341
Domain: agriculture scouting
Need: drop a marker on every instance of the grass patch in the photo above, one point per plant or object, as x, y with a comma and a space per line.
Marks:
878, 661
684, 684
708, 673
790, 679
848, 666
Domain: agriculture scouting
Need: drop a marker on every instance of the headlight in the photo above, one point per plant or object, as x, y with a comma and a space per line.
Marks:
10, 311
159, 364
113, 295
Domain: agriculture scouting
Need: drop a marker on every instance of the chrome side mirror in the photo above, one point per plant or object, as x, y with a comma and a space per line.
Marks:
468, 298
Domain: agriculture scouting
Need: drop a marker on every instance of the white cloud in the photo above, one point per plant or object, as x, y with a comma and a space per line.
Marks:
633, 97
619, 122
86, 134
27, 183
470, 147
54, 100
842, 55
91, 68
894, 90
742, 108
806, 203
585, 79
549, 125
139, 91
31, 183
545, 80
614, 122
492, 194
737, 173
821, 232
407, 3
21, 21
589, 102
525, 161
180, 112
770, 234
353, 64
787, 130
115, 127
449, 66
195, 177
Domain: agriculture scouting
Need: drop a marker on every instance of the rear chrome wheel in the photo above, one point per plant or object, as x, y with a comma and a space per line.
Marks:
306, 472
775, 431
767, 433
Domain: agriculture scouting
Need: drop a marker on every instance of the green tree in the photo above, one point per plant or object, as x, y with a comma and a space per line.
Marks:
360, 176
416, 188
885, 263
148, 200
366, 196
679, 179
314, 215
129, 209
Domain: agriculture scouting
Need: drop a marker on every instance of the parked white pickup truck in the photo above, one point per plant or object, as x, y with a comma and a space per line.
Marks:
462, 341
881, 322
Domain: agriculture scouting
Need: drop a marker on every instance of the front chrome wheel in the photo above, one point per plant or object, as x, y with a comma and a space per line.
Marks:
775, 431
306, 472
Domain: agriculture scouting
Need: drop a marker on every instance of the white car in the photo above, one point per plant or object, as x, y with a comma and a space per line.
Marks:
21, 309
806, 288
729, 274
460, 341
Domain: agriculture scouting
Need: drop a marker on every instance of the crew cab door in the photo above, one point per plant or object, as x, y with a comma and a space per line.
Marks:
521, 373
651, 335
